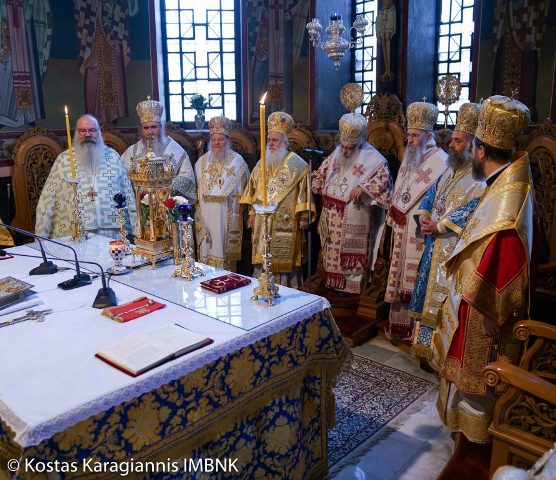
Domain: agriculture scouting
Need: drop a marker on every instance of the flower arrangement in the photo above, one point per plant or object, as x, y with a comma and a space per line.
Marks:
178, 208
200, 103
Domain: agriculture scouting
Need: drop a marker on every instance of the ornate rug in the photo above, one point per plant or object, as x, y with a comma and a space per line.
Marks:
368, 396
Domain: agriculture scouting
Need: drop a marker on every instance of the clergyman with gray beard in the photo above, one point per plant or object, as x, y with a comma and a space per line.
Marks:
153, 129
422, 164
101, 175
443, 214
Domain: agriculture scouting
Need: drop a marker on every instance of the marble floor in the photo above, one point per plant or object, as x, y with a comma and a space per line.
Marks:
414, 445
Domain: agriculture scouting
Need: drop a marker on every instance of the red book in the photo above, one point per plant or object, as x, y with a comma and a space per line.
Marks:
225, 283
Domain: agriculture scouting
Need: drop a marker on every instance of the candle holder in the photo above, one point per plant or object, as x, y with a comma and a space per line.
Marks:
121, 207
267, 288
187, 270
78, 232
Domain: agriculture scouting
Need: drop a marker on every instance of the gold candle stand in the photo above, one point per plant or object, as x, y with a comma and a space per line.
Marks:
187, 270
78, 232
267, 288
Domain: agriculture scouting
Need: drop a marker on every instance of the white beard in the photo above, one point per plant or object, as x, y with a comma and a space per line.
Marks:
341, 160
218, 156
413, 156
89, 156
275, 157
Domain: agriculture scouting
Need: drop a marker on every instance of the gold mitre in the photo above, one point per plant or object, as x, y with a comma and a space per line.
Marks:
149, 111
220, 125
422, 116
501, 119
353, 129
281, 122
468, 117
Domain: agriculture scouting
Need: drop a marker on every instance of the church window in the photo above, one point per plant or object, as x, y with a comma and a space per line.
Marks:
364, 55
455, 42
201, 45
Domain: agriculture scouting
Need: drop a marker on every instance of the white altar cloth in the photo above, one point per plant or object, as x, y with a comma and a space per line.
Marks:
49, 376
228, 307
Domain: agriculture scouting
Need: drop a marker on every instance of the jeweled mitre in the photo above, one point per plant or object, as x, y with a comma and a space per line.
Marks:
353, 129
149, 111
501, 119
220, 125
281, 122
468, 117
422, 116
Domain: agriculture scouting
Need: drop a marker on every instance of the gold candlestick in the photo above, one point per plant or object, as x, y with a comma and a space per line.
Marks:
187, 270
78, 232
267, 288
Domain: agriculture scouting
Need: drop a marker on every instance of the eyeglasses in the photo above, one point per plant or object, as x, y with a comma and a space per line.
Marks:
83, 131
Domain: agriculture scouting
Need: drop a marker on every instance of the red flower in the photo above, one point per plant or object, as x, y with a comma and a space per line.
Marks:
170, 203
142, 194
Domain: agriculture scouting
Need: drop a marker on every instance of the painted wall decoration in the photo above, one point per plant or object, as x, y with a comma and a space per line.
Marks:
25, 35
104, 53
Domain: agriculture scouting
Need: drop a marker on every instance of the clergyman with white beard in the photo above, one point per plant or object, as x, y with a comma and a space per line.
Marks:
101, 175
356, 187
287, 186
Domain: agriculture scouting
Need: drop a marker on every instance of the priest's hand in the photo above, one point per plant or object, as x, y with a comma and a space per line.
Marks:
303, 224
251, 221
428, 226
490, 327
356, 195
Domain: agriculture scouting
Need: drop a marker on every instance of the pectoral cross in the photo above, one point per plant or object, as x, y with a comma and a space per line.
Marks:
92, 194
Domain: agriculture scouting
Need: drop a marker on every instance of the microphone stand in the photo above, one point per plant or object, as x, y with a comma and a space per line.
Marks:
105, 296
79, 279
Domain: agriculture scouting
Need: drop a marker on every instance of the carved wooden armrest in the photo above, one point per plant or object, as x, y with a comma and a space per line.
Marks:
525, 328
547, 267
497, 372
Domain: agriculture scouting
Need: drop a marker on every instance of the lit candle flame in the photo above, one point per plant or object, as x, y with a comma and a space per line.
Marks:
263, 98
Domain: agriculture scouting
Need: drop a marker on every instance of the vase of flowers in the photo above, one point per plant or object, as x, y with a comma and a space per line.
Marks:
200, 103
171, 204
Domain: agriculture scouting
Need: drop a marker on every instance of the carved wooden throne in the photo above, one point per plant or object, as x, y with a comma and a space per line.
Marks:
524, 423
541, 146
33, 155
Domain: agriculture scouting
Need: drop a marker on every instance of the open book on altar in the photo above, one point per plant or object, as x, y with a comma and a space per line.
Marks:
143, 351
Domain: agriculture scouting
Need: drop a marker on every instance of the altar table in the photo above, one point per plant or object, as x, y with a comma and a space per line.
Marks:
259, 399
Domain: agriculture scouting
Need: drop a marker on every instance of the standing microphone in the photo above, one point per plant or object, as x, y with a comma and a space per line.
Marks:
105, 296
46, 267
79, 279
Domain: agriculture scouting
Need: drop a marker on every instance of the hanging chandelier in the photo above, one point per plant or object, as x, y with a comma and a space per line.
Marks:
336, 45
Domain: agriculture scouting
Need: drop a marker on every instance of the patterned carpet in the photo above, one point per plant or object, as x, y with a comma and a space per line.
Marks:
368, 396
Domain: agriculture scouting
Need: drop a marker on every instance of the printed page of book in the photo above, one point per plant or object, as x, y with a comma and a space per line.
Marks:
142, 351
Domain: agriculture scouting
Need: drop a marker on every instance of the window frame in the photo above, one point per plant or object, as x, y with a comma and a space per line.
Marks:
190, 125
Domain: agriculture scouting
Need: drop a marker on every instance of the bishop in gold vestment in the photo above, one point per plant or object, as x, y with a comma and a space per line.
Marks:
488, 274
288, 187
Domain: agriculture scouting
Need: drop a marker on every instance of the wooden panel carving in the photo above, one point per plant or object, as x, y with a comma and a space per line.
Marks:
301, 137
192, 147
534, 416
386, 123
33, 155
114, 139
